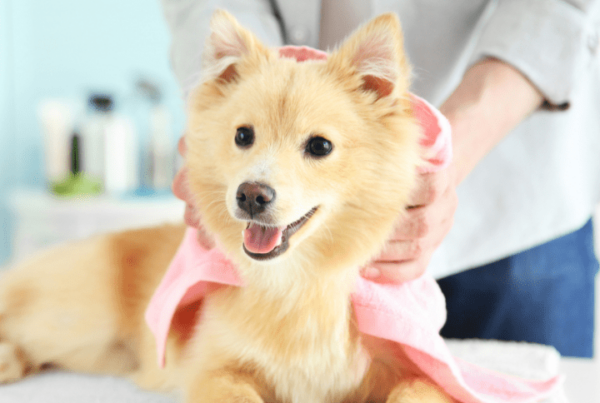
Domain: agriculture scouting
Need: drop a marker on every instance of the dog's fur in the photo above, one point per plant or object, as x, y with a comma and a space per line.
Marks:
289, 334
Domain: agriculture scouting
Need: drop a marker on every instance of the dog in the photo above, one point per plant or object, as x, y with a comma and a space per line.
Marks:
298, 171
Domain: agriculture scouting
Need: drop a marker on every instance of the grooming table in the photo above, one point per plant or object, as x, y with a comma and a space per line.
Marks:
582, 384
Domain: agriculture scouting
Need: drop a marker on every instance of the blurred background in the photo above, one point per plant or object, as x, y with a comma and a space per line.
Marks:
90, 115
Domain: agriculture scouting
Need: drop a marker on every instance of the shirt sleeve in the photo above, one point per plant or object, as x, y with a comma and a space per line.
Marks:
543, 39
188, 21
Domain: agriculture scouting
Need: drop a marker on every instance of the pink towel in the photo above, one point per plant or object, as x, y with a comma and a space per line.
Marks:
411, 313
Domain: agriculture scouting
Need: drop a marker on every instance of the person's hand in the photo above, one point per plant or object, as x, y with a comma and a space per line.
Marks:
492, 98
419, 230
182, 192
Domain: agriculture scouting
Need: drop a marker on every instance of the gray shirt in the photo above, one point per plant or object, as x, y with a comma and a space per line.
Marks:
543, 179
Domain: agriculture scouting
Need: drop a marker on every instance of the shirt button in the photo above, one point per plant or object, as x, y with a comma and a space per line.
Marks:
299, 35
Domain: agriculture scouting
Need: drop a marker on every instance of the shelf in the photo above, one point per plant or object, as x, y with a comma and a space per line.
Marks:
42, 219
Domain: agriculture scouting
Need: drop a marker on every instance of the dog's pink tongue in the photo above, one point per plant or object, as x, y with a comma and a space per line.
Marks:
259, 239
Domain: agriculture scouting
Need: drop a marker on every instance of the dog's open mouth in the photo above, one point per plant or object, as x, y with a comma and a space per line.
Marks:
265, 242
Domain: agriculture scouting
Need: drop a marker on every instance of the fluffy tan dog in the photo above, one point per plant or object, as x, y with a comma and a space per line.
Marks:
299, 171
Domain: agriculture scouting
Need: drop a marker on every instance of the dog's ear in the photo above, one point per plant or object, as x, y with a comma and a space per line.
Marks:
375, 53
226, 45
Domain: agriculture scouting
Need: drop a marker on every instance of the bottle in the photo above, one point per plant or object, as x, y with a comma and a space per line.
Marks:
77, 183
56, 120
94, 134
121, 156
161, 148
110, 147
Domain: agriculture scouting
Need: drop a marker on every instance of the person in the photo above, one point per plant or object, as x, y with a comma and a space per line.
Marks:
519, 83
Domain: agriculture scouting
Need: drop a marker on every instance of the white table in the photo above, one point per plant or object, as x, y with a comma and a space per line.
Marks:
582, 385
42, 219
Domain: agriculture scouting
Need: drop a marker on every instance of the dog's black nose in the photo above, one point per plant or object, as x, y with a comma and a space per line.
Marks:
254, 198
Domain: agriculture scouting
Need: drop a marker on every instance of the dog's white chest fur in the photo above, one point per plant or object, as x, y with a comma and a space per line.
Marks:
324, 375
300, 363
319, 385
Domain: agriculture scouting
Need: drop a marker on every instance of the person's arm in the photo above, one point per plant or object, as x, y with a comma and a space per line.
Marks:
525, 55
490, 101
543, 39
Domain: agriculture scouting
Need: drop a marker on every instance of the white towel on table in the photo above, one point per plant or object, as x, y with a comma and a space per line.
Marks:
519, 359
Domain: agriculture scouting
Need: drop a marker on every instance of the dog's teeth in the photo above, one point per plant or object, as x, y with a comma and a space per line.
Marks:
279, 239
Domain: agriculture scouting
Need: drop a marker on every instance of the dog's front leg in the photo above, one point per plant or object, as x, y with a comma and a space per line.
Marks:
418, 390
223, 386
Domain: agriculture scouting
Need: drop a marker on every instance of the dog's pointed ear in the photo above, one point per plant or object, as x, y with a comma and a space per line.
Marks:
226, 45
375, 53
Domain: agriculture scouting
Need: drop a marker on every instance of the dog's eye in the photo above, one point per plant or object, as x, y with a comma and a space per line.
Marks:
244, 137
318, 147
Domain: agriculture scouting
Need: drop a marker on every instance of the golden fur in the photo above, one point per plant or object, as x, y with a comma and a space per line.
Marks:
289, 335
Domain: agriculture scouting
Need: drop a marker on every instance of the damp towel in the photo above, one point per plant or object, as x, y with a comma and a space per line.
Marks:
411, 313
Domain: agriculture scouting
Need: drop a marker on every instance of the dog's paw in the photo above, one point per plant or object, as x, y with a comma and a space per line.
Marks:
13, 365
418, 390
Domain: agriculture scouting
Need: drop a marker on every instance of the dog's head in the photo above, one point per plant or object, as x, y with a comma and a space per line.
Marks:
306, 162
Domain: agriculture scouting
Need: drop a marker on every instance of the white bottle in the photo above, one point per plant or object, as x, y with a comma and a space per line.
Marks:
93, 133
110, 147
121, 156
161, 148
56, 118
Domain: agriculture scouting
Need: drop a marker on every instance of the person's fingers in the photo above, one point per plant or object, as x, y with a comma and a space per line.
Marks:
181, 191
428, 188
205, 240
402, 251
179, 186
413, 224
418, 232
406, 260
399, 251
181, 146
190, 217
417, 222
399, 272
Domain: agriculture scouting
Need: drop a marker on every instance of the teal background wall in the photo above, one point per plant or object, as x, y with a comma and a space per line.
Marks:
7, 113
67, 49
